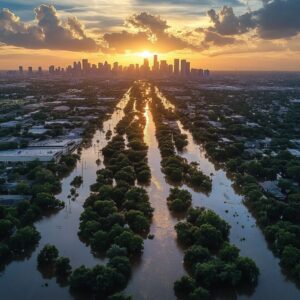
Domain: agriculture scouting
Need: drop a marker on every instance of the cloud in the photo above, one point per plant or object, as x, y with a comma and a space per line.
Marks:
150, 33
148, 22
194, 2
227, 23
215, 39
276, 19
48, 31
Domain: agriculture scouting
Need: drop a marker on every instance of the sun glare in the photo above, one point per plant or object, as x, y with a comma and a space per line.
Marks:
146, 54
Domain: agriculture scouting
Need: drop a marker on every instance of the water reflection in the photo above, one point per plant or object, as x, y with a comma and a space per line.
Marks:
244, 233
61, 230
161, 262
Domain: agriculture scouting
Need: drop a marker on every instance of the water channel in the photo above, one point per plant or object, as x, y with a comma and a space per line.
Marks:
161, 263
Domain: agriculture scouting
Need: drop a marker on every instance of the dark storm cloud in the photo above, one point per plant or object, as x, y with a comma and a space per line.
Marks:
49, 32
276, 19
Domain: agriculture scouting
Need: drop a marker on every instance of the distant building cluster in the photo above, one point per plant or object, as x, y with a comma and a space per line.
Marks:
159, 69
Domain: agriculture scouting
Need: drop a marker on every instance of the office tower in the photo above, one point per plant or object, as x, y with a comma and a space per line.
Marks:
106, 67
100, 67
21, 69
115, 66
51, 69
200, 72
146, 63
176, 66
146, 67
183, 67
85, 65
170, 70
155, 64
79, 66
194, 73
163, 70
206, 73
75, 66
187, 68
40, 70
30, 71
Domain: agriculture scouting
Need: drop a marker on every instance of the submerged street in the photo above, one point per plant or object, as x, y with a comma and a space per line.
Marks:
161, 262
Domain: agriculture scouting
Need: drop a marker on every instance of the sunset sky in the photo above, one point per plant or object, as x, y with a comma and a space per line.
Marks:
214, 34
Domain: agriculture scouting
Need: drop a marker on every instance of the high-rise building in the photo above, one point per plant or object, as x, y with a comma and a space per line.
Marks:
155, 64
85, 65
163, 70
30, 70
187, 68
183, 67
51, 69
176, 66
21, 69
206, 73
170, 70
40, 70
146, 62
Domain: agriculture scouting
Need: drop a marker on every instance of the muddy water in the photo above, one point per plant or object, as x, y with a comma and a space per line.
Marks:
225, 201
161, 264
21, 280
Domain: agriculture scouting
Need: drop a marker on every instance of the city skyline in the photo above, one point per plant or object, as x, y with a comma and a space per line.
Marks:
156, 68
213, 34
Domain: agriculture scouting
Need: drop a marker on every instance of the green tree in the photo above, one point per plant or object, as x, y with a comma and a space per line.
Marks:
199, 293
196, 254
47, 255
116, 250
208, 236
137, 221
184, 286
229, 252
133, 243
100, 241
6, 228
121, 264
23, 239
248, 269
62, 266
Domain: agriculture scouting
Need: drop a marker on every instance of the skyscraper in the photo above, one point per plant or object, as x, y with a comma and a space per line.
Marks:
85, 65
176, 66
21, 69
30, 70
183, 67
187, 68
51, 69
155, 64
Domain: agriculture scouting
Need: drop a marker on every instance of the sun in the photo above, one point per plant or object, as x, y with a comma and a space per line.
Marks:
145, 54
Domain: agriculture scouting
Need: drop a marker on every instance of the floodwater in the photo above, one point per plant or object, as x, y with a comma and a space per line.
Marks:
161, 263
21, 280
